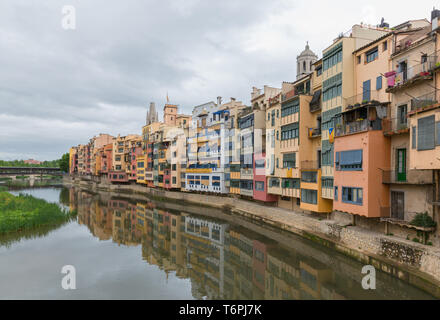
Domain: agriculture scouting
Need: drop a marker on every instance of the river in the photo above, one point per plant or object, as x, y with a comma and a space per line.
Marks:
122, 248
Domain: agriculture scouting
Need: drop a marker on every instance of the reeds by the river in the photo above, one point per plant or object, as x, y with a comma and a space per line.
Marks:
24, 212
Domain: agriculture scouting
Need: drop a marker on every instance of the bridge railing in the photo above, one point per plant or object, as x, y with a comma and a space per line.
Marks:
29, 170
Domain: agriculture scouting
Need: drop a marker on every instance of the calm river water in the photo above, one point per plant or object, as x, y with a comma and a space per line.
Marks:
124, 248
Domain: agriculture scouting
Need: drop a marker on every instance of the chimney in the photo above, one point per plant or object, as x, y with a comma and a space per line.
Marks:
232, 99
435, 15
219, 100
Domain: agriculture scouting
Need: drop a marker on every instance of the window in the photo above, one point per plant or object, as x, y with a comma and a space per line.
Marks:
401, 114
332, 58
319, 71
352, 195
290, 108
366, 91
309, 176
348, 160
174, 167
246, 184
372, 55
414, 138
289, 160
291, 184
426, 133
174, 180
332, 92
327, 182
309, 196
274, 182
259, 186
379, 83
260, 164
336, 194
438, 133
359, 59
385, 46
290, 131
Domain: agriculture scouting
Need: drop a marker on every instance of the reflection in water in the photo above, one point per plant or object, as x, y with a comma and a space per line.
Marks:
227, 261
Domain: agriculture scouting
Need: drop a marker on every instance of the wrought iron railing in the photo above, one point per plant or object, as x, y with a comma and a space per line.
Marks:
425, 100
309, 164
352, 127
407, 177
314, 132
394, 125
367, 97
420, 70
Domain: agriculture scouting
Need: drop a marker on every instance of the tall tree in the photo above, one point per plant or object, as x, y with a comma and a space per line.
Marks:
64, 162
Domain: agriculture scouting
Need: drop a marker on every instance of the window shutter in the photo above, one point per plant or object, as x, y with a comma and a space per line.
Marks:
414, 137
438, 133
426, 133
379, 83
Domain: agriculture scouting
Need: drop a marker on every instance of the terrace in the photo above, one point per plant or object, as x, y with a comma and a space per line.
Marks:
414, 177
424, 101
361, 119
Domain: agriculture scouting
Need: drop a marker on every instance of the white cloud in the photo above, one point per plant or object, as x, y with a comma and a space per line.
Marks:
58, 88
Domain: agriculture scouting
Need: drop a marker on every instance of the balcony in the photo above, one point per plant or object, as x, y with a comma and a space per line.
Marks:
400, 79
413, 177
356, 126
394, 126
247, 173
424, 101
371, 97
314, 132
310, 165
288, 95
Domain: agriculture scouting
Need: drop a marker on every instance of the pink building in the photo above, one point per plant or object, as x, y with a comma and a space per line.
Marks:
260, 180
359, 158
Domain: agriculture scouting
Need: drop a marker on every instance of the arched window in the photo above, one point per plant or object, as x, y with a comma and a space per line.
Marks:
304, 66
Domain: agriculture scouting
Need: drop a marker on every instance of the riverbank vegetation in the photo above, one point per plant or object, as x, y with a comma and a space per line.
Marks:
24, 212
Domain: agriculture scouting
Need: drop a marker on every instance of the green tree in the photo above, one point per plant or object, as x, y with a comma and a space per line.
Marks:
64, 162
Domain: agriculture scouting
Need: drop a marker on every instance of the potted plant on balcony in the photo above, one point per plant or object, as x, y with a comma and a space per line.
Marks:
350, 107
357, 105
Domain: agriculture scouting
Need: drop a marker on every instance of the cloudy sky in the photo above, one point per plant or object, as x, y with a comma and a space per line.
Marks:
60, 87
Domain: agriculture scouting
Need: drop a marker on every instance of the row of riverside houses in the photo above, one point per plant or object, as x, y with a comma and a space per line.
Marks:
357, 134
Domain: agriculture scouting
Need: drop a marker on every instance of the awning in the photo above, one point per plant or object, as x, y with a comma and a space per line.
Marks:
351, 157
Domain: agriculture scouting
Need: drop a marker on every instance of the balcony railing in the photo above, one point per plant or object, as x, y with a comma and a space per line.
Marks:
368, 97
394, 125
310, 165
314, 132
407, 177
358, 126
423, 70
423, 101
